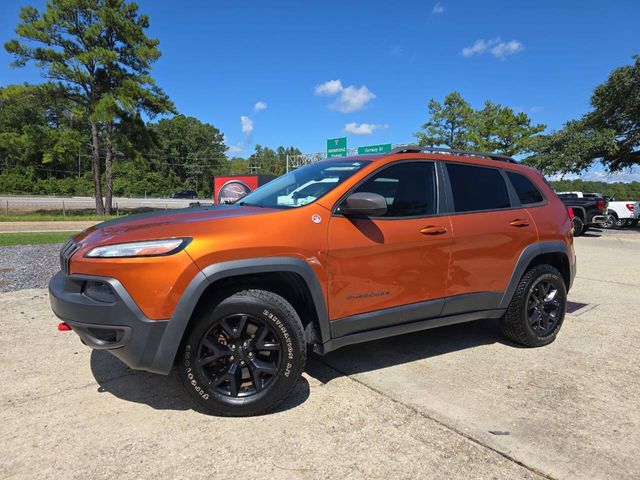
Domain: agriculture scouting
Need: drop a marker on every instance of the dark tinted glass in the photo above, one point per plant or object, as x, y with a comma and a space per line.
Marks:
409, 188
526, 190
477, 188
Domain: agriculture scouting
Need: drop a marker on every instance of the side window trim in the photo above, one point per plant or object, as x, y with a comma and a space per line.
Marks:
449, 190
441, 198
514, 199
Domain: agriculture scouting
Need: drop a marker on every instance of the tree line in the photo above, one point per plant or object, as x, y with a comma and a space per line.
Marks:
609, 134
91, 127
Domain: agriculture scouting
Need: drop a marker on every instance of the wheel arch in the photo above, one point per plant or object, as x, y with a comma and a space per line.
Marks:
555, 254
581, 213
289, 277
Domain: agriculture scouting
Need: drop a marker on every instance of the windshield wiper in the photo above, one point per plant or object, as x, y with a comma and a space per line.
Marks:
245, 204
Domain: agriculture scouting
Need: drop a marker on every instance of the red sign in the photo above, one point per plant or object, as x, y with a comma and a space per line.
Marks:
231, 188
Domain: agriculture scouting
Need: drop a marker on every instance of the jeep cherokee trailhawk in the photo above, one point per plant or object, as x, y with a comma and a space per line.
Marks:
338, 252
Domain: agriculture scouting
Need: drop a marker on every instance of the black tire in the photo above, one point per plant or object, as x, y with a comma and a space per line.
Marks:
534, 318
611, 220
578, 226
243, 355
634, 222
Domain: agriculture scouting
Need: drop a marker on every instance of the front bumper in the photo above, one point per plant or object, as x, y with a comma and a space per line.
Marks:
118, 326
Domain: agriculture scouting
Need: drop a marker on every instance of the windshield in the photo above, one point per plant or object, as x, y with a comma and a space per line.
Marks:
304, 185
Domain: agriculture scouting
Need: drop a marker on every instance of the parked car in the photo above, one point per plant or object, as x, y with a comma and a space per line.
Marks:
588, 211
233, 295
622, 213
184, 194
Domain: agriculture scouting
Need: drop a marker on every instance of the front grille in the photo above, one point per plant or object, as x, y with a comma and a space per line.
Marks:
68, 249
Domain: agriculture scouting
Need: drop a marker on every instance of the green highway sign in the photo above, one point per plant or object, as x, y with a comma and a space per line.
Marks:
337, 147
384, 148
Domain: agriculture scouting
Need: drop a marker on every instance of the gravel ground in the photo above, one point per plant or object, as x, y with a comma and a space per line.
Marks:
28, 266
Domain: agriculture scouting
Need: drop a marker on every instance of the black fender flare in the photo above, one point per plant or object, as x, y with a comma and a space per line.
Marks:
526, 257
176, 326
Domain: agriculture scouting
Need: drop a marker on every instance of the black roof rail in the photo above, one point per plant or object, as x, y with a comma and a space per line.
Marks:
451, 151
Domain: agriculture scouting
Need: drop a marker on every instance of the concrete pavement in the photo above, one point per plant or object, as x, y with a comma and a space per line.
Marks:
458, 402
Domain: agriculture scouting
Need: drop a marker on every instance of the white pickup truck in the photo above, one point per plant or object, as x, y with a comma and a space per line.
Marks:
620, 213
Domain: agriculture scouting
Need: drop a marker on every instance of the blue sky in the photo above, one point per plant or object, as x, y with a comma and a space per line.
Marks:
368, 69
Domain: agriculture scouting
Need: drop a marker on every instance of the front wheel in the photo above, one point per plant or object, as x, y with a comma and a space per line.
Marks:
537, 309
244, 355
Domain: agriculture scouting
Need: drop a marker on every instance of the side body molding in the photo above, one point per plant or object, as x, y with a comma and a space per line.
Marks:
527, 255
176, 326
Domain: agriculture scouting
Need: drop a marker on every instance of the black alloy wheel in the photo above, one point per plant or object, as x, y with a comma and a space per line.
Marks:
543, 307
240, 355
243, 353
537, 309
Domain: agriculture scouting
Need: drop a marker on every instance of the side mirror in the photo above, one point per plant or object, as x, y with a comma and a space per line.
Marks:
364, 204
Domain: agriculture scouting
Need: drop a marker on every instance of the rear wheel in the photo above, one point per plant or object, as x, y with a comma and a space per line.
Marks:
537, 309
634, 222
621, 223
244, 355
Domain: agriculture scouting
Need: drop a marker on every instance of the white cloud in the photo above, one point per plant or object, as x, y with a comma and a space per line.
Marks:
233, 149
328, 88
350, 99
438, 8
495, 47
503, 49
536, 109
247, 125
259, 106
363, 128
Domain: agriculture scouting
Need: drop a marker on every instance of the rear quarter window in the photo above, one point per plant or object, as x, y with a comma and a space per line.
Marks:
526, 190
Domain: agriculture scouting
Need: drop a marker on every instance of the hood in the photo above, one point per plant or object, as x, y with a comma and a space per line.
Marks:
163, 224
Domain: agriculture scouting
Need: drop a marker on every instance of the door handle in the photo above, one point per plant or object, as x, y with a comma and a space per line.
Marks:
433, 230
519, 223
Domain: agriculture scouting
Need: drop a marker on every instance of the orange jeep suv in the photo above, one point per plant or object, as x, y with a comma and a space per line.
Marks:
338, 252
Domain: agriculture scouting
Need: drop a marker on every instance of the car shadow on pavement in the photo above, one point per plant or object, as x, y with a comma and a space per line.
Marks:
411, 347
161, 392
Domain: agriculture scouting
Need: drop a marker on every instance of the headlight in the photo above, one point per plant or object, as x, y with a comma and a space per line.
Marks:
151, 248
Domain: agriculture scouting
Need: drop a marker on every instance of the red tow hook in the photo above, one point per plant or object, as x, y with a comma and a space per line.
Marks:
63, 327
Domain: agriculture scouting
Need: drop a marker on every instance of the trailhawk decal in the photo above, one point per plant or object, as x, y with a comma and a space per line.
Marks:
368, 295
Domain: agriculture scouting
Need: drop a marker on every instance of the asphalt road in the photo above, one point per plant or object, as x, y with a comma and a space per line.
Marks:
31, 203
457, 402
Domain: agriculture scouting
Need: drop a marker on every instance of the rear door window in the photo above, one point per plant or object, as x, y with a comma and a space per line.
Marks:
477, 188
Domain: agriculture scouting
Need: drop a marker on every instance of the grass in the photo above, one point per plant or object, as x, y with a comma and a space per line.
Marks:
34, 238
